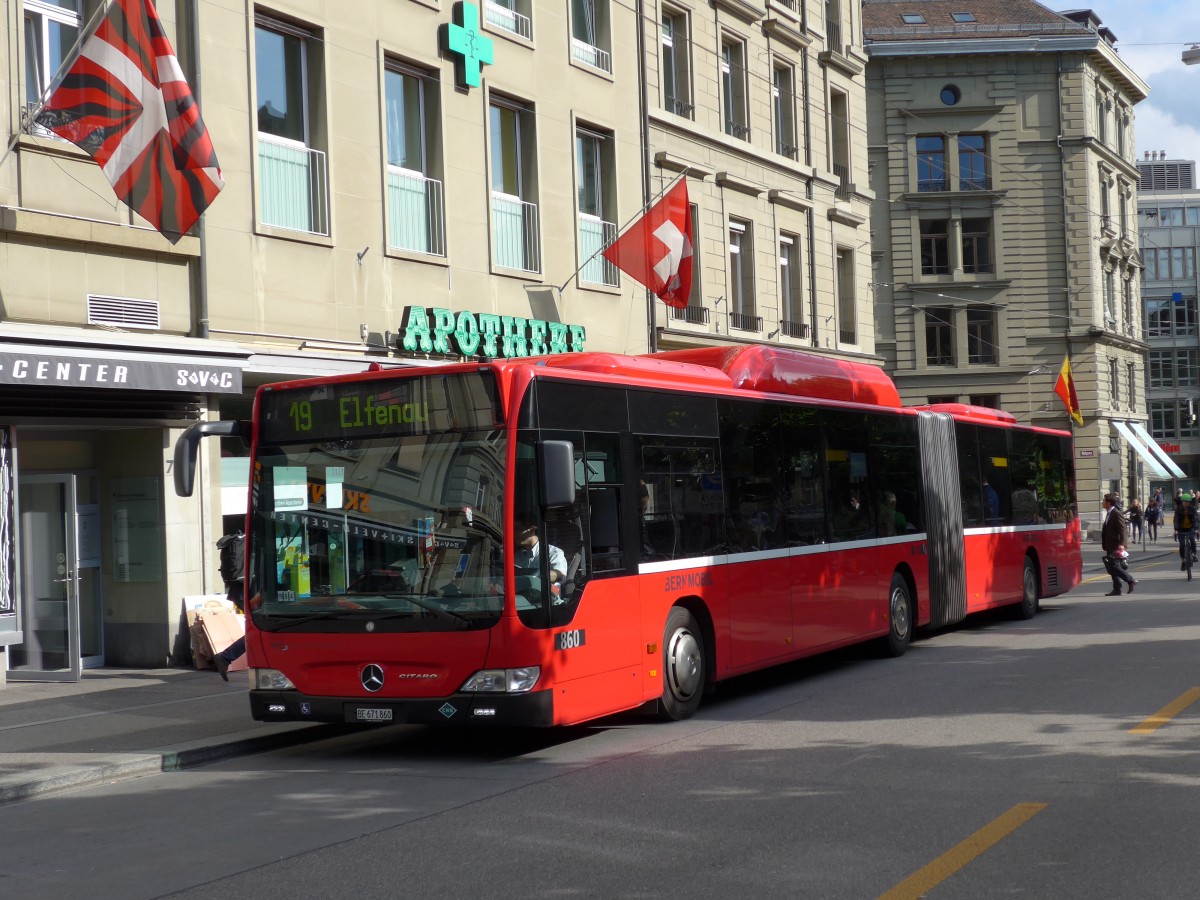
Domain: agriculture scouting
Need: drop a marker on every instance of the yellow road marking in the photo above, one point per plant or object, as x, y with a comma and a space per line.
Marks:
924, 880
1167, 713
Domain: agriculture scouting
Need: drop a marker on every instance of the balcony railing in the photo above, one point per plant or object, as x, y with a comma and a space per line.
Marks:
791, 151
975, 183
508, 19
515, 233
693, 315
745, 322
679, 107
737, 130
842, 171
794, 329
594, 235
847, 335
834, 39
582, 51
932, 185
294, 192
416, 214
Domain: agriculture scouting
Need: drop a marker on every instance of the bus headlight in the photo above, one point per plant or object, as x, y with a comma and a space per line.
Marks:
501, 681
270, 680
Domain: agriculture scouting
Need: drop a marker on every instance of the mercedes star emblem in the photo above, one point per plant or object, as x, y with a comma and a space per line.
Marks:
372, 678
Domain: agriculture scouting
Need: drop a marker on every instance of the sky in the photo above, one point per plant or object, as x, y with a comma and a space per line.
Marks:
1151, 35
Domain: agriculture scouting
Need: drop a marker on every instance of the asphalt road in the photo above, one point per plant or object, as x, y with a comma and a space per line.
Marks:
1054, 758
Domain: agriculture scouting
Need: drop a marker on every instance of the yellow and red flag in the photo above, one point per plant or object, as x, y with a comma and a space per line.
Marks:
1065, 388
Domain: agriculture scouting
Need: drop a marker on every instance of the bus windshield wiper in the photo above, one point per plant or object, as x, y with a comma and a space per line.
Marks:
428, 607
328, 614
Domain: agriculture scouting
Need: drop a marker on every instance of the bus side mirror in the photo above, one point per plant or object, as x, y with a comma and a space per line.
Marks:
187, 448
558, 474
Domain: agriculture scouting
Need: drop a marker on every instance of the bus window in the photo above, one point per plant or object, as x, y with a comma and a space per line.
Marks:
897, 478
684, 504
803, 485
968, 469
851, 513
603, 476
752, 458
994, 476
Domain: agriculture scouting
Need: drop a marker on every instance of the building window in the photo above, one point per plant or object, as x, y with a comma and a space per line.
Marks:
695, 313
415, 207
594, 162
1114, 384
1163, 418
972, 163
912, 19
987, 401
51, 29
939, 336
511, 16
590, 38
514, 206
1105, 205
847, 301
1160, 365
733, 88
1172, 215
981, 336
676, 65
950, 95
1127, 314
839, 131
977, 246
1131, 380
1110, 299
293, 173
931, 163
1101, 117
784, 97
1185, 368
791, 292
942, 398
935, 246
741, 277
833, 25
962, 17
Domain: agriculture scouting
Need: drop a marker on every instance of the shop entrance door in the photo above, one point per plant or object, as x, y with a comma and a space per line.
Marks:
52, 589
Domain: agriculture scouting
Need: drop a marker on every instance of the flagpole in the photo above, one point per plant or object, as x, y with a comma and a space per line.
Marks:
641, 212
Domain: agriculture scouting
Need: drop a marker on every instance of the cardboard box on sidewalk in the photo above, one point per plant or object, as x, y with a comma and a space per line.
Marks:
213, 629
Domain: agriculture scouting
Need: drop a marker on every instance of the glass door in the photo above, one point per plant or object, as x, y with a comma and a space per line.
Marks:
49, 574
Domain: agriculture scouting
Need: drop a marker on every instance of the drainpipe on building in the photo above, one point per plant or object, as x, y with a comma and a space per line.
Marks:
812, 238
644, 109
201, 265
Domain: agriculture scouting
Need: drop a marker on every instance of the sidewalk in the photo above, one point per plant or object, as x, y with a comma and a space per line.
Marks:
117, 723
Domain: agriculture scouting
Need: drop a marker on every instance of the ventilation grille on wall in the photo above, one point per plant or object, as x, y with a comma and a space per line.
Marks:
122, 312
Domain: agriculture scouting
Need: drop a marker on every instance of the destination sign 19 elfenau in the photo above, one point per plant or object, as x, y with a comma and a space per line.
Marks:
485, 334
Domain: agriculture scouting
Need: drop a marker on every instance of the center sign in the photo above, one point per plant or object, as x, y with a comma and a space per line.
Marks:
485, 334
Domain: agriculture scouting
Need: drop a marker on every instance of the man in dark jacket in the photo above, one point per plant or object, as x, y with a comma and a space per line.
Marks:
1113, 535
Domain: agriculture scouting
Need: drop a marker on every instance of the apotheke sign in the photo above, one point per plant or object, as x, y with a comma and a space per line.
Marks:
118, 373
484, 334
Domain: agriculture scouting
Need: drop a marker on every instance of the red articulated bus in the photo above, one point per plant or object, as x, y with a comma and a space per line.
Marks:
546, 541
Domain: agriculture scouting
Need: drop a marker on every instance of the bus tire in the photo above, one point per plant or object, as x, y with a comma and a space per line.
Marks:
683, 666
900, 617
1028, 606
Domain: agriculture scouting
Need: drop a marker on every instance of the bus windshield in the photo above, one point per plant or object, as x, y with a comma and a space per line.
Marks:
377, 505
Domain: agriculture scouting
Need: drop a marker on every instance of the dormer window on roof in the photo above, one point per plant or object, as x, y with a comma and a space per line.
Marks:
913, 18
963, 17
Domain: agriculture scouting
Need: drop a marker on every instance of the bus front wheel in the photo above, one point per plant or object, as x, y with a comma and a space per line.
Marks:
900, 616
683, 666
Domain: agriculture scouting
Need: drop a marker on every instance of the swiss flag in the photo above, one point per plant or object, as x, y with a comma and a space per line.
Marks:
657, 248
126, 103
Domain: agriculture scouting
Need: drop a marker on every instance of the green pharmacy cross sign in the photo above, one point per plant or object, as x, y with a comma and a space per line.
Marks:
464, 38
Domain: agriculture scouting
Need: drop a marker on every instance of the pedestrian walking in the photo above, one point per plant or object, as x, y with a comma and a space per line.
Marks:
1113, 537
1153, 518
1135, 520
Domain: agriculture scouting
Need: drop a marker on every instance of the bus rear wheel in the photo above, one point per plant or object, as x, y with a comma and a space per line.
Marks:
900, 617
1029, 591
683, 666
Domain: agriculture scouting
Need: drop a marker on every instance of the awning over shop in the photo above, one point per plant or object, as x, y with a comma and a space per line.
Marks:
1140, 430
1141, 449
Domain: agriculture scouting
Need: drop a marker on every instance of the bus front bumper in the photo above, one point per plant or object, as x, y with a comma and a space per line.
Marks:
532, 710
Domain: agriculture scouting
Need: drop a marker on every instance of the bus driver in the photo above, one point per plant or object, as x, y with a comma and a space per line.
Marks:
529, 550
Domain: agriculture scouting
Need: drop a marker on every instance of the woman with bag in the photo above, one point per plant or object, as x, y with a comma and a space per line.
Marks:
1113, 536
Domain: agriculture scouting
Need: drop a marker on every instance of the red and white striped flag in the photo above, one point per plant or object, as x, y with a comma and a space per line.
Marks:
126, 103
